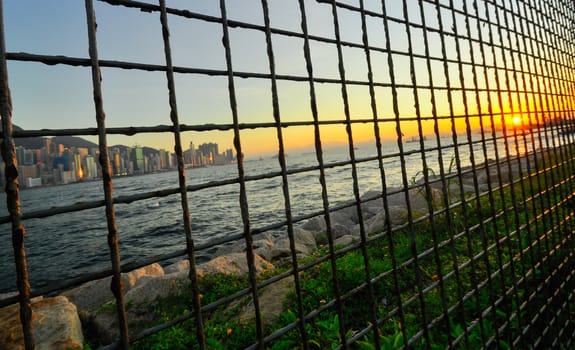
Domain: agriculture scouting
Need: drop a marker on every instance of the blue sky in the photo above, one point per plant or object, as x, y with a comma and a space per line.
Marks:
61, 96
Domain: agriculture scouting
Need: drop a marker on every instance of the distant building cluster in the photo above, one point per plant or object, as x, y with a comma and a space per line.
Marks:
207, 154
56, 164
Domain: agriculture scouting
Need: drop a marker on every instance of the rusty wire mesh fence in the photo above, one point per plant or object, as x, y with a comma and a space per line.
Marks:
417, 191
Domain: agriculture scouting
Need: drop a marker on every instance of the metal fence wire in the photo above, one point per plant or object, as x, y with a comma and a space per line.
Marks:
459, 201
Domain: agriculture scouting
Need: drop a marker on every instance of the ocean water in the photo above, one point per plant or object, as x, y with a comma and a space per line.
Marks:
68, 245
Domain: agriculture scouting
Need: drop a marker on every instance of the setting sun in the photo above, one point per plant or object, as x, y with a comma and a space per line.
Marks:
517, 121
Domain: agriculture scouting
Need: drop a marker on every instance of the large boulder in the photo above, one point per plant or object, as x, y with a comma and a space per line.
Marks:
397, 216
262, 245
315, 224
344, 241
343, 222
89, 296
304, 242
103, 322
339, 230
417, 199
271, 299
55, 322
180, 266
232, 263
376, 223
372, 204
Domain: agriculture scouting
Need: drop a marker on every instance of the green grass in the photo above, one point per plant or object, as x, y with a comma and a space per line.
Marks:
469, 287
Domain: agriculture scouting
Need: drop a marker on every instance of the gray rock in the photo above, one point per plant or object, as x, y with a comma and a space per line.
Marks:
138, 299
370, 194
376, 223
347, 217
89, 296
8, 295
395, 199
419, 201
271, 299
455, 190
150, 288
344, 241
55, 322
262, 245
397, 216
315, 225
371, 207
344, 217
232, 263
304, 242
338, 230
304, 237
282, 249
132, 277
180, 266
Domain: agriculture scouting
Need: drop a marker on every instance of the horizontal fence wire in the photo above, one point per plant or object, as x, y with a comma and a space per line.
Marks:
480, 255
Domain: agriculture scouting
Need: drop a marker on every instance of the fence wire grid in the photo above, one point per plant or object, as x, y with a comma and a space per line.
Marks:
426, 147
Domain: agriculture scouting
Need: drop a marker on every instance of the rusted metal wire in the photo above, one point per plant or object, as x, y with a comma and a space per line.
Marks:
190, 249
243, 193
117, 286
351, 149
381, 168
284, 174
12, 189
320, 161
517, 52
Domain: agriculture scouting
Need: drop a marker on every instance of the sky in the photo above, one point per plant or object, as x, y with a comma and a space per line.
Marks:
61, 96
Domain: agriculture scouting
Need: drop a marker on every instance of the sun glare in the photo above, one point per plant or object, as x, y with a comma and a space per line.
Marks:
517, 121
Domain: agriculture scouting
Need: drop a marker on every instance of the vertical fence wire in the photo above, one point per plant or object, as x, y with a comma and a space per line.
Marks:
507, 288
446, 184
285, 182
190, 249
544, 103
544, 185
404, 180
322, 178
117, 282
532, 167
516, 266
528, 276
381, 168
12, 188
356, 194
430, 195
543, 48
479, 321
489, 284
243, 193
418, 114
488, 168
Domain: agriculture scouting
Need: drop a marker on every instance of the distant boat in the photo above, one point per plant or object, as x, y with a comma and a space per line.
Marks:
416, 139
154, 205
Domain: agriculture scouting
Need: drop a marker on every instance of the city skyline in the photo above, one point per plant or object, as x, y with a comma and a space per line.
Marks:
56, 163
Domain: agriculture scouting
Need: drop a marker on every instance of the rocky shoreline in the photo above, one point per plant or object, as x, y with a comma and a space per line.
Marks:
59, 321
